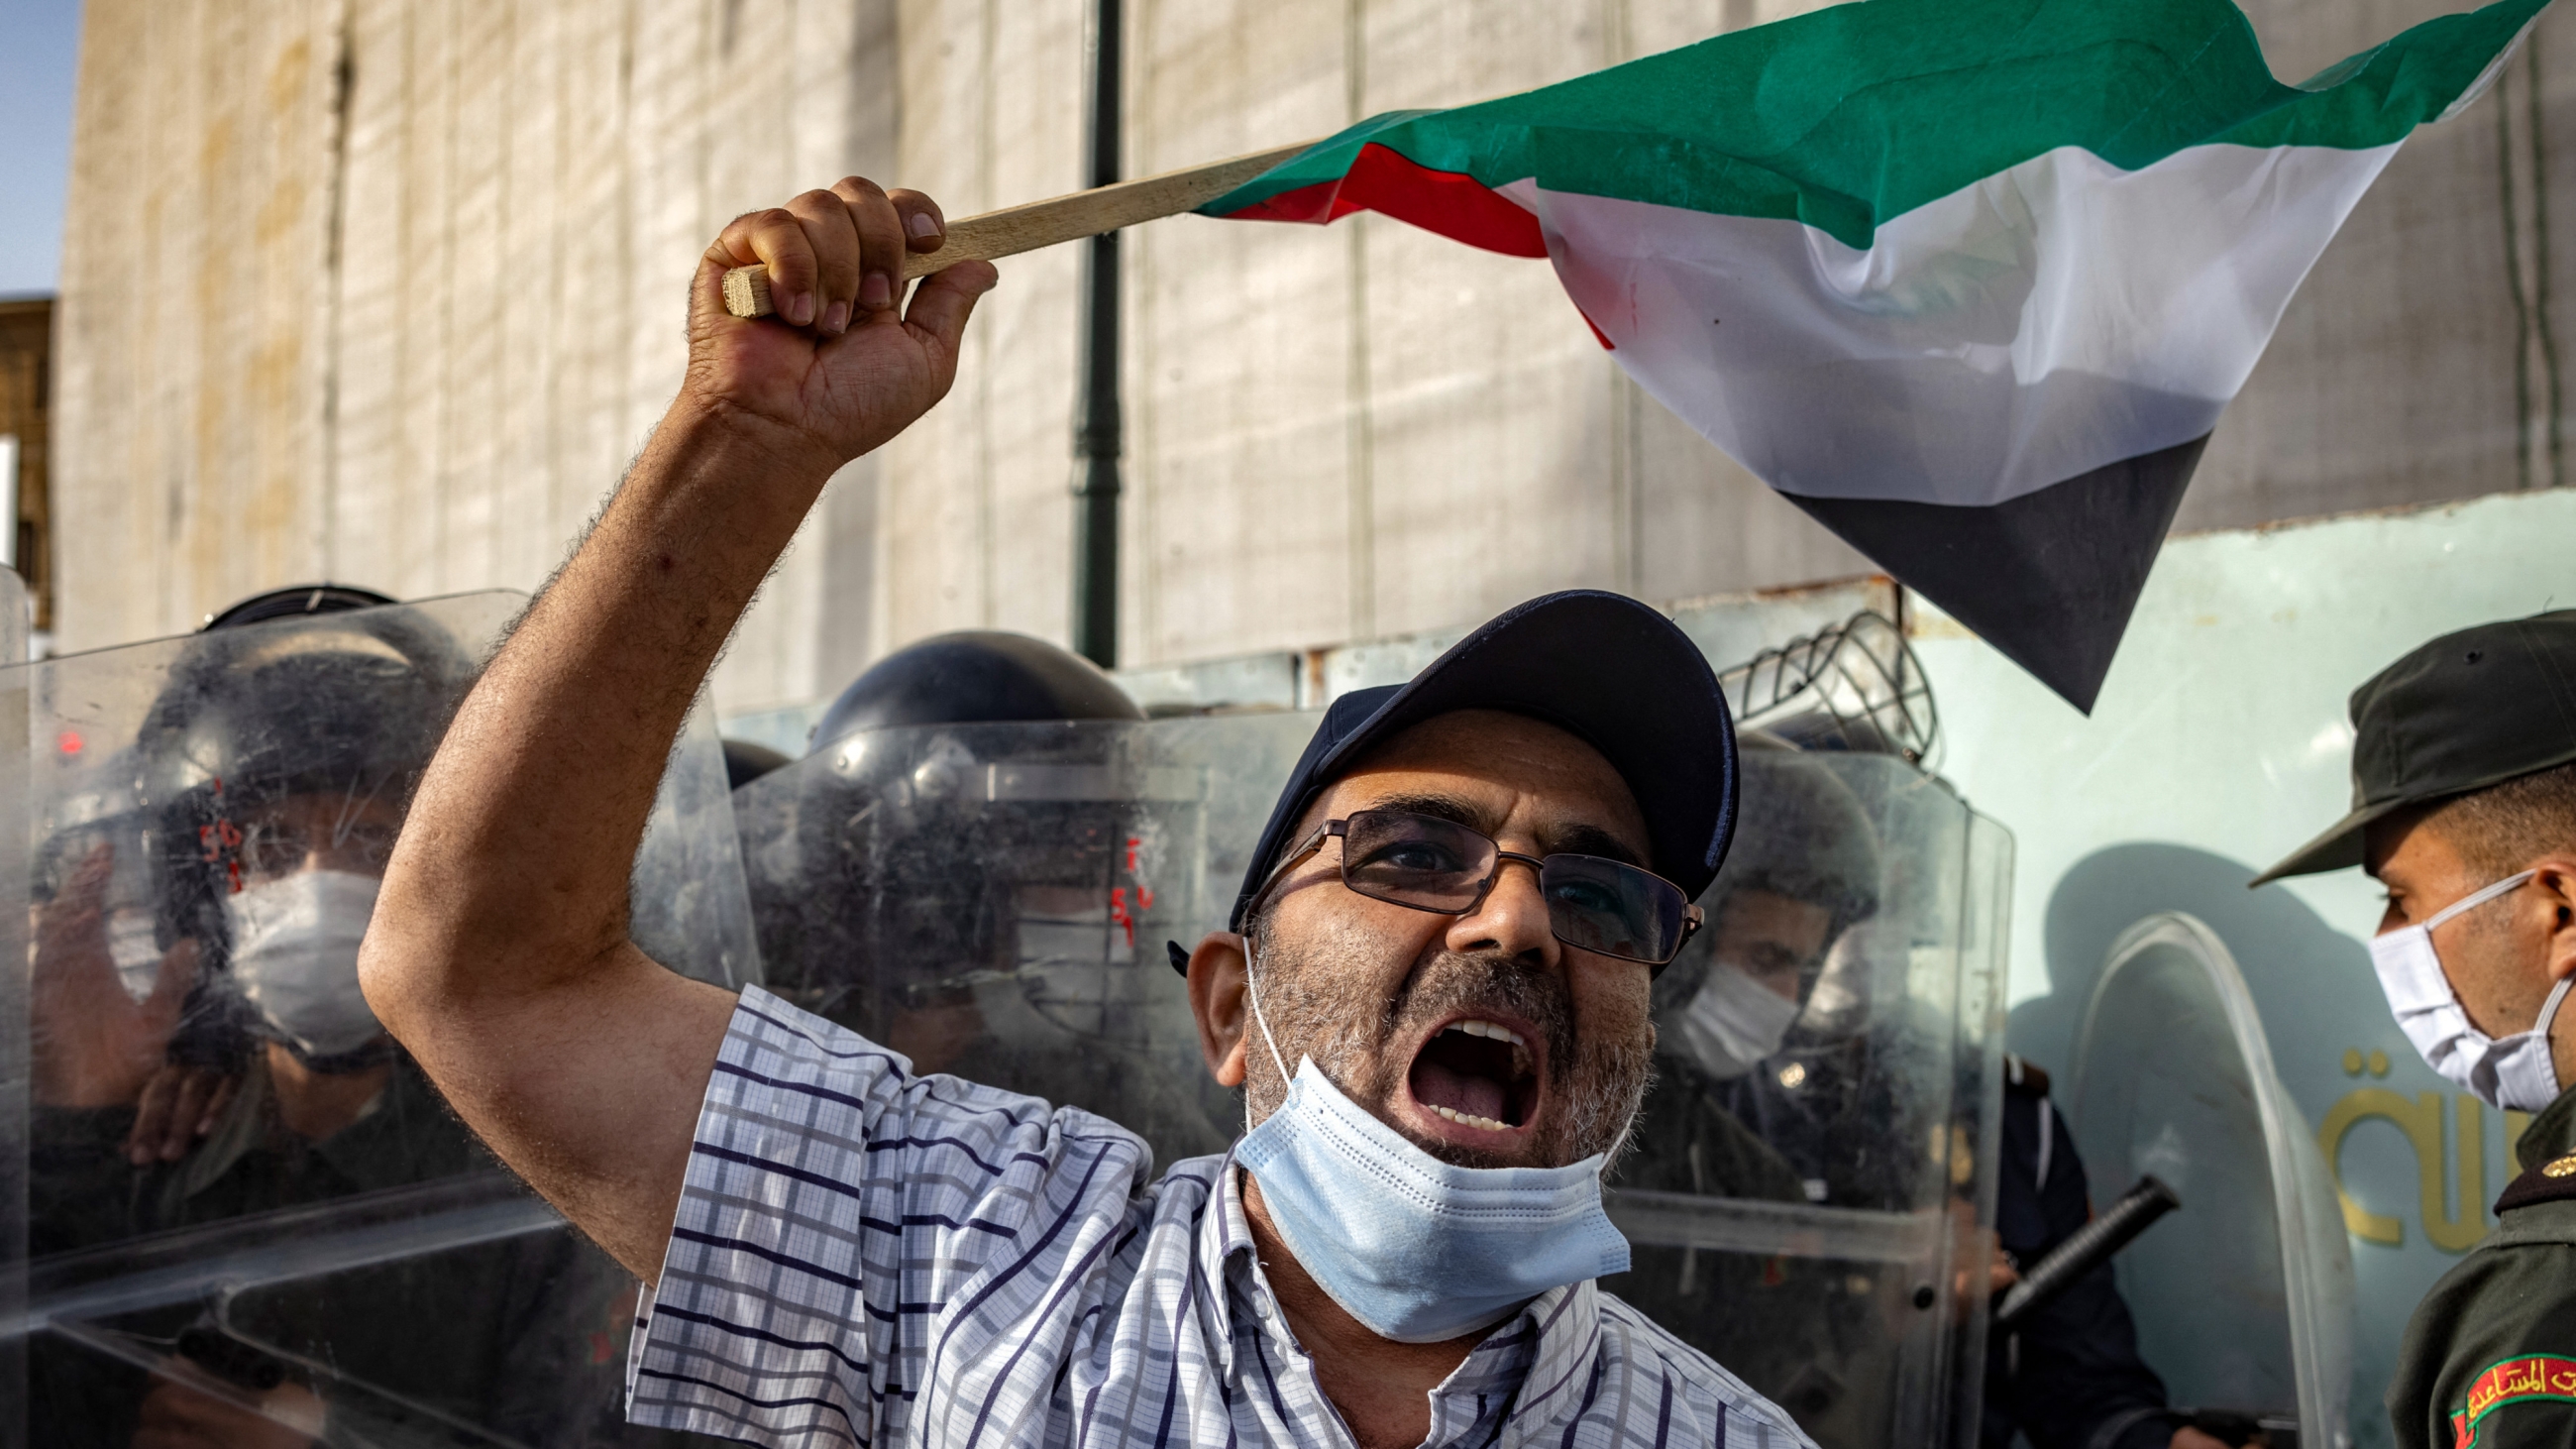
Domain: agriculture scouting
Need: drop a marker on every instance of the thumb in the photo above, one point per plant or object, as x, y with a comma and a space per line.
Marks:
943, 302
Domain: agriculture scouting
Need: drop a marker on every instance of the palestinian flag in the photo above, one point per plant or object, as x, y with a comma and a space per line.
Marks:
1968, 280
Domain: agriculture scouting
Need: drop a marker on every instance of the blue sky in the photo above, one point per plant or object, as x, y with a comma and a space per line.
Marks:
39, 47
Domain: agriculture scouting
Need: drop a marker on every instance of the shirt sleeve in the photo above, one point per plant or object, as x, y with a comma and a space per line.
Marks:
2489, 1358
835, 1207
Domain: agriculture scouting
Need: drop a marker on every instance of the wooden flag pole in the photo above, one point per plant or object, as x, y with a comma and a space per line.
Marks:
1016, 229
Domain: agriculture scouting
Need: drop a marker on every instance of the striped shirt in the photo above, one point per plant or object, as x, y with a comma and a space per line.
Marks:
867, 1257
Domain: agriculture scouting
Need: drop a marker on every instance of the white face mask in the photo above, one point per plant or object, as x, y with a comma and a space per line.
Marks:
295, 957
2516, 1071
1733, 1023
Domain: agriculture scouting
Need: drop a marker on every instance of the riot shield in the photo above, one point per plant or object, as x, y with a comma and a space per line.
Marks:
247, 1207
2243, 1297
13, 1014
993, 899
1808, 1190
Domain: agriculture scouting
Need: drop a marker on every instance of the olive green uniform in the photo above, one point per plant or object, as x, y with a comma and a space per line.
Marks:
2490, 1355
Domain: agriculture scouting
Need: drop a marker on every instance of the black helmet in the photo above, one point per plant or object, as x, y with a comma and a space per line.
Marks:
976, 676
1801, 833
919, 845
746, 762
344, 700
295, 600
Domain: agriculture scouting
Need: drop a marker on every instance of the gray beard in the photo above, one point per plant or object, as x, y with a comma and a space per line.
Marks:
1597, 1083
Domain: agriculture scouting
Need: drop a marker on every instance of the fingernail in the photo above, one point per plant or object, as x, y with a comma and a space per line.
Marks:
800, 309
876, 293
837, 320
922, 224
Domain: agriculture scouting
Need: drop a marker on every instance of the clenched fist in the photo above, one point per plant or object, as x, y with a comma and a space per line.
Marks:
841, 368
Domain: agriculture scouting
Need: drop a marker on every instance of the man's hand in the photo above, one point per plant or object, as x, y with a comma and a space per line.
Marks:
186, 1408
852, 371
498, 952
93, 1044
179, 1105
2188, 1437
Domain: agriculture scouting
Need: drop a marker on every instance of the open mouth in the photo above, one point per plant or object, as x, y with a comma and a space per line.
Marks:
1477, 1073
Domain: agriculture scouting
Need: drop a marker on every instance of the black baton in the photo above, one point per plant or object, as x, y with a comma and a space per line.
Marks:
2085, 1248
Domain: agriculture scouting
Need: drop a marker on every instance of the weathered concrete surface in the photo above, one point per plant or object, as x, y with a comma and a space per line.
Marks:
390, 292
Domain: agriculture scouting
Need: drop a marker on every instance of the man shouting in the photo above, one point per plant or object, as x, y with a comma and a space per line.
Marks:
1435, 993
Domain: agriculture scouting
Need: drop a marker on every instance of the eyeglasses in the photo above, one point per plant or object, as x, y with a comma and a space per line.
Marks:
1426, 863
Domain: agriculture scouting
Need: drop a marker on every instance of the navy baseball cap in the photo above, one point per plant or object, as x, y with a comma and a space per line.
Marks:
1602, 667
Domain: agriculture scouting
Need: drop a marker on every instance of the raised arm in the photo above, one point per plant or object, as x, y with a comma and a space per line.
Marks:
498, 954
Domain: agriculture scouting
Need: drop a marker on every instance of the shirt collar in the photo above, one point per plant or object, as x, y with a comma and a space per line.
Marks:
1226, 1252
2550, 1133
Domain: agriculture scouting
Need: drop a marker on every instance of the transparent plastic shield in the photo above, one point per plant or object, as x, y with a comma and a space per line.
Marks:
993, 900
13, 1011
1808, 1187
2257, 1249
309, 1238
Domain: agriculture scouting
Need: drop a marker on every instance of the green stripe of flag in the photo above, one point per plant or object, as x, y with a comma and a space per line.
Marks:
1852, 115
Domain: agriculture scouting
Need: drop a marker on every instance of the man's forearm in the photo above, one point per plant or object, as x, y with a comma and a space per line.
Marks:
498, 952
547, 777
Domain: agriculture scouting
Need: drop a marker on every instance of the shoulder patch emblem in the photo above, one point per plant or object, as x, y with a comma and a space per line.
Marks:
2551, 1181
2532, 1376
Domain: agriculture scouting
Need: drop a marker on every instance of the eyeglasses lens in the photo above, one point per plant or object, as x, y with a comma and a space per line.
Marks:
1432, 864
1612, 908
1416, 860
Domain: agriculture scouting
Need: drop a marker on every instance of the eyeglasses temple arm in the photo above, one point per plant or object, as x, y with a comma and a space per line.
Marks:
1314, 842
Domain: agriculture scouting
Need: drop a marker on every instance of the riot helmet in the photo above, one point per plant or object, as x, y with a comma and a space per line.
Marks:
747, 760
293, 601
272, 769
975, 866
974, 676
923, 854
1804, 869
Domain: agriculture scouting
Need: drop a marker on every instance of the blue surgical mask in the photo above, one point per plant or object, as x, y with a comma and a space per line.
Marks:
1417, 1250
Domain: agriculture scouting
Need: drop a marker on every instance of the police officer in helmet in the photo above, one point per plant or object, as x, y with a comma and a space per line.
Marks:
884, 956
271, 770
961, 868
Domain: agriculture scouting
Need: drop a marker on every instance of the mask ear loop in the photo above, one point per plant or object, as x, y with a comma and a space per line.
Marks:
1252, 989
2475, 899
2549, 1008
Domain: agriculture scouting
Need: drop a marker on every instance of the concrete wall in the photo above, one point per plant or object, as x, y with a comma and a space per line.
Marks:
389, 292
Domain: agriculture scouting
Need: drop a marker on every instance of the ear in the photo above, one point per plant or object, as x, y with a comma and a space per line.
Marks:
1222, 1007
2555, 878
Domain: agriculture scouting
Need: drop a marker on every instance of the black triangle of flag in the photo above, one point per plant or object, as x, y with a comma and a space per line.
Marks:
2048, 578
